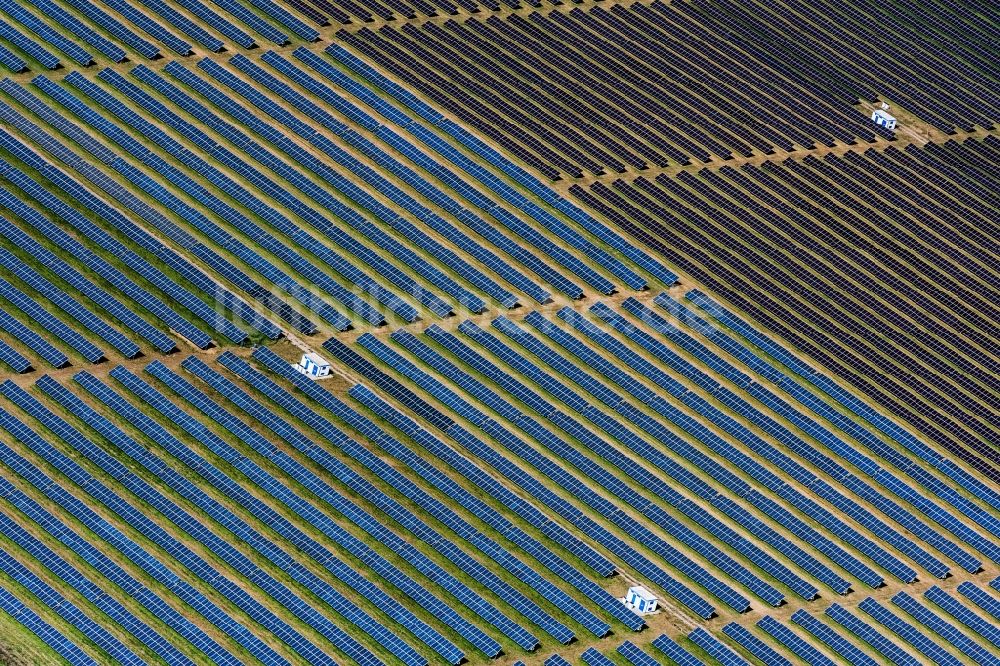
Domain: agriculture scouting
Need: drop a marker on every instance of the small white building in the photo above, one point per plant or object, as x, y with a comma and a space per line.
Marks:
313, 365
883, 118
640, 600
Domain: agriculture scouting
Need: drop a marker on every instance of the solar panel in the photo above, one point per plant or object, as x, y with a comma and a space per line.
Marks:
755, 646
53, 638
941, 627
794, 642
89, 518
870, 635
832, 639
48, 35
462, 592
224, 483
980, 597
716, 648
907, 632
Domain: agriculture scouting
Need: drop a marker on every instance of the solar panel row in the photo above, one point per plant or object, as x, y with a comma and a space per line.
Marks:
523, 230
67, 610
716, 648
650, 425
673, 651
68, 305
142, 21
483, 481
785, 491
112, 25
907, 632
147, 241
884, 646
29, 46
20, 332
806, 398
634, 471
278, 590
741, 407
520, 476
755, 646
101, 599
74, 579
192, 526
118, 249
795, 643
63, 646
699, 228
99, 296
319, 488
111, 535
821, 435
838, 393
832, 639
559, 475
220, 237
510, 595
342, 238
943, 628
408, 175
47, 34
443, 148
98, 265
265, 239
383, 159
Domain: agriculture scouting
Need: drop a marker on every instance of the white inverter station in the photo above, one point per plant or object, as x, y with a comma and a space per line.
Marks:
640, 600
313, 365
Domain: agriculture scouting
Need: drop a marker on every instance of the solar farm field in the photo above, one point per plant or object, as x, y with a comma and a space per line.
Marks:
615, 298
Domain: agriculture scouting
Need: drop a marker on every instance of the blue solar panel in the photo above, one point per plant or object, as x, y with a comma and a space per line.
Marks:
943, 628
191, 525
907, 632
68, 611
716, 648
28, 45
793, 642
741, 406
107, 242
832, 639
592, 657
13, 358
150, 27
142, 238
470, 598
320, 489
792, 467
11, 61
616, 242
68, 304
48, 35
102, 528
600, 447
870, 635
77, 27
53, 638
93, 262
852, 403
981, 598
835, 444
668, 647
755, 646
224, 483
988, 630
548, 467
18, 331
